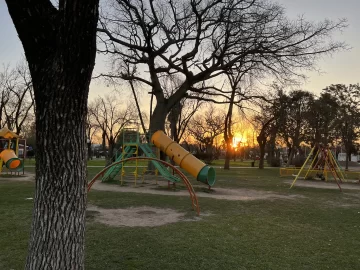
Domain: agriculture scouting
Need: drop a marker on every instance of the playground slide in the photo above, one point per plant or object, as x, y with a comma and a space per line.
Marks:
184, 159
160, 167
10, 159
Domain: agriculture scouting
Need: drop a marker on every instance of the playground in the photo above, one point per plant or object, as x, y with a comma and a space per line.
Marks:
178, 217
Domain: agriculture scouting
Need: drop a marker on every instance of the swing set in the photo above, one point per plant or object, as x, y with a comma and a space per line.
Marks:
319, 164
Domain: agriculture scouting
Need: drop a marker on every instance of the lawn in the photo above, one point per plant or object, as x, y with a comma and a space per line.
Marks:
215, 163
317, 229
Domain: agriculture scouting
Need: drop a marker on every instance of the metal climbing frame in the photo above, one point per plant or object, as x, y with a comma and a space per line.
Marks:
132, 141
194, 200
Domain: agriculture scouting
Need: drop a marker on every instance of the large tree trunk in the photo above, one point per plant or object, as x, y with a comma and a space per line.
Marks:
60, 46
173, 118
158, 123
110, 154
58, 229
158, 118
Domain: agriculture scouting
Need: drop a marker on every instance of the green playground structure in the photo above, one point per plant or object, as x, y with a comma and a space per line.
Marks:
134, 142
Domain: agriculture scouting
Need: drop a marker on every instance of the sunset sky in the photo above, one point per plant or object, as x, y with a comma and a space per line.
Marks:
342, 67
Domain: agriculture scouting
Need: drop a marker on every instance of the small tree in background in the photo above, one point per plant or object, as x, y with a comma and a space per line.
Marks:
110, 116
347, 122
294, 124
204, 129
17, 97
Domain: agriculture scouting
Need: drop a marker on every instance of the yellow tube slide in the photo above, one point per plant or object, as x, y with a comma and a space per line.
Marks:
183, 158
10, 159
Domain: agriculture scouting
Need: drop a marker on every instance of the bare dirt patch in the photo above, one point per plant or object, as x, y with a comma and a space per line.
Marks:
245, 195
144, 216
22, 177
324, 185
218, 193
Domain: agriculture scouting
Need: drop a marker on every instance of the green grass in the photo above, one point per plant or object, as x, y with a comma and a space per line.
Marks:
237, 163
320, 229
216, 163
94, 162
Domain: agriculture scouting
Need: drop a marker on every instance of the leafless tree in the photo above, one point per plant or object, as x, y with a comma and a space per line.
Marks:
182, 112
110, 116
135, 87
17, 98
180, 116
205, 127
7, 82
264, 122
242, 96
60, 47
200, 40
141, 114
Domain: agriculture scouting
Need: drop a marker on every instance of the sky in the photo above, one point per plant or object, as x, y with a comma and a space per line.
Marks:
342, 67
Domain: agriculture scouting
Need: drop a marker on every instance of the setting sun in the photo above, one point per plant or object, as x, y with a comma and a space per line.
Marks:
238, 140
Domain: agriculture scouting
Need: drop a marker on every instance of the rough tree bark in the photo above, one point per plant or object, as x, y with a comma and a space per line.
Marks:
158, 117
157, 122
60, 47
110, 154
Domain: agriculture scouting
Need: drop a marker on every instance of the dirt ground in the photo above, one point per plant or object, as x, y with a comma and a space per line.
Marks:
146, 216
149, 216
21, 177
143, 216
217, 193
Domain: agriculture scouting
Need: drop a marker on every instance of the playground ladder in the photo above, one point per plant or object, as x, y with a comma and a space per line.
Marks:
113, 171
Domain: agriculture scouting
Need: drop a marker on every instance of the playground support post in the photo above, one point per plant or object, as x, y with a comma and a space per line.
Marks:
312, 163
303, 166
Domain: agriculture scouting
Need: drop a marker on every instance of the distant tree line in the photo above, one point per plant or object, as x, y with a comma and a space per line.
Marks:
333, 118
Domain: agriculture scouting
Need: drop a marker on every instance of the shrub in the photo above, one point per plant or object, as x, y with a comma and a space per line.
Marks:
275, 162
298, 161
